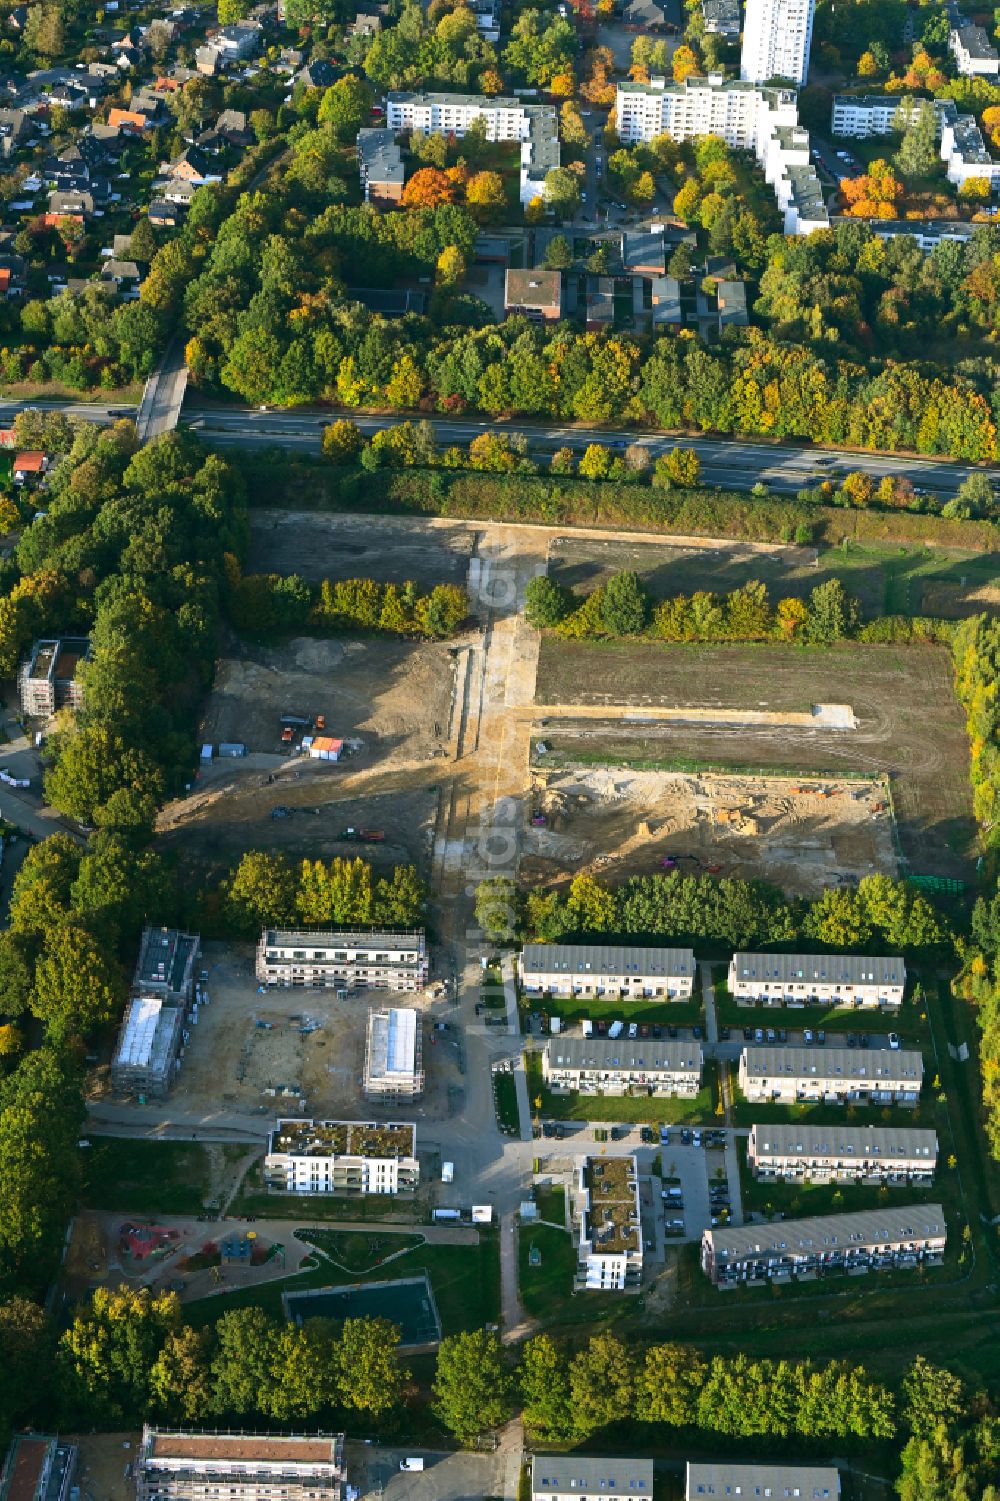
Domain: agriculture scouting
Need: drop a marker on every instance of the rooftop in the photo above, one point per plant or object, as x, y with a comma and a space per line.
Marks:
554, 1474
850, 969
307, 1138
721, 1479
537, 288
629, 1054
606, 959
380, 156
35, 1468
393, 1043
308, 1449
611, 1220
829, 1232
866, 1143
975, 42
401, 939
856, 1064
166, 960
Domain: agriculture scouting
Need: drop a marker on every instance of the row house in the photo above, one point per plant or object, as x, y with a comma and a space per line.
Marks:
812, 979
607, 970
841, 1076
809, 1248
842, 1154
666, 1068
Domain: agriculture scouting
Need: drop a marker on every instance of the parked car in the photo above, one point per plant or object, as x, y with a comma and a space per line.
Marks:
725, 1033
748, 1034
821, 1037
771, 1035
696, 1032
852, 1041
758, 1034
894, 1041
633, 1029
807, 1037
657, 1030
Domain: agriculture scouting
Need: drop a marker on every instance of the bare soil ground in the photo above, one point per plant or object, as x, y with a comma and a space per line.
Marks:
391, 549
104, 1472
611, 820
909, 723
248, 1052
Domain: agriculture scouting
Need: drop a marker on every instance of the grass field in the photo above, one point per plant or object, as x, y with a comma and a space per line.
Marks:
631, 1108
886, 580
547, 1286
152, 1177
505, 1102
360, 1251
465, 1279
909, 723
575, 1008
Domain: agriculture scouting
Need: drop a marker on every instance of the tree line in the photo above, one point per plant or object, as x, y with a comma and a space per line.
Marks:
266, 890
879, 913
268, 602
622, 606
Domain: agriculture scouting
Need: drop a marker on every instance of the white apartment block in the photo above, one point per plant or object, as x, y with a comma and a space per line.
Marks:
178, 1465
535, 126
974, 53
664, 1068
748, 117
610, 1251
809, 1248
965, 154
344, 959
597, 969
724, 1481
394, 1068
574, 1477
837, 1076
842, 1154
809, 979
863, 115
345, 1157
777, 35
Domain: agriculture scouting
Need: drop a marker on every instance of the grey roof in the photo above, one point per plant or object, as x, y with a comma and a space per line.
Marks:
828, 1232
837, 969
606, 959
810, 1482
835, 1064
722, 16
648, 12
975, 42
628, 1054
405, 940
552, 1474
379, 155
642, 248
863, 1143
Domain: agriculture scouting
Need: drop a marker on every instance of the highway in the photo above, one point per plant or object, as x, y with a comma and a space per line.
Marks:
731, 463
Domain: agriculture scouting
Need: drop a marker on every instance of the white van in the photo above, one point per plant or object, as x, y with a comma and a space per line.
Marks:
588, 1027
411, 1464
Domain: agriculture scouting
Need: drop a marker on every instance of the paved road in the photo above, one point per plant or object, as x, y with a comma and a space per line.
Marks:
163, 397
785, 468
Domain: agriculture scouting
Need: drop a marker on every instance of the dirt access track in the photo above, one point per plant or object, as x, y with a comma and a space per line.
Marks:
909, 725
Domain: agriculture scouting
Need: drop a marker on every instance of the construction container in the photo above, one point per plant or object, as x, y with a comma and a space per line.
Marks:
232, 748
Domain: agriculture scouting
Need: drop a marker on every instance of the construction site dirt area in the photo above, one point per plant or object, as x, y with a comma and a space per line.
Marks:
299, 1051
391, 549
104, 1469
621, 822
907, 725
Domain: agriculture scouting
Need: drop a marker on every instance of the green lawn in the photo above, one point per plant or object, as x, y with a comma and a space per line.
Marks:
576, 1008
799, 1200
360, 1251
465, 1279
909, 1022
746, 1112
505, 1102
633, 1108
545, 1288
551, 1201
151, 1177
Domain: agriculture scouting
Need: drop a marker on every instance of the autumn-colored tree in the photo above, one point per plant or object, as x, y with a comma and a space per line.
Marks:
486, 196
428, 188
490, 82
858, 488
684, 64
450, 266
976, 188
790, 617
876, 194
867, 65
534, 213
563, 85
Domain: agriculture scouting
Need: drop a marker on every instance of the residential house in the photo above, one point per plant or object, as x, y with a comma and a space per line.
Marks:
646, 15
380, 166
721, 17
595, 969
390, 302
860, 980
394, 1068
609, 1257
318, 74
16, 130
535, 294
574, 1477
124, 276
840, 1076
927, 233
48, 679
666, 301
192, 166
365, 24
208, 61
809, 1248
73, 204
643, 252
731, 297
965, 153
164, 215
974, 53
661, 1068
725, 1481
184, 1465
29, 466
238, 42
367, 1157
842, 1154
599, 309
38, 1467
344, 958
150, 1040
233, 126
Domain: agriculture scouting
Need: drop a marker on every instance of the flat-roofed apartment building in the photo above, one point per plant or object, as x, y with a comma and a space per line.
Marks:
534, 126
38, 1467
665, 1067
348, 1157
807, 1248
173, 1465
610, 1252
344, 958
574, 1477
808, 979
146, 1059
600, 969
843, 1154
878, 1076
394, 1068
49, 680
731, 1482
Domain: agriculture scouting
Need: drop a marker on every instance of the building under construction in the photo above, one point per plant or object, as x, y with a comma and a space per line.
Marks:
49, 679
186, 1466
394, 1067
146, 1056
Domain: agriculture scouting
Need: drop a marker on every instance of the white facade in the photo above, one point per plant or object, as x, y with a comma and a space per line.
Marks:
974, 53
360, 1157
185, 1465
837, 1076
343, 959
842, 1154
610, 1252
748, 117
811, 1248
964, 153
603, 1066
534, 125
859, 980
863, 115
394, 1067
777, 35
571, 1477
595, 969
714, 1482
